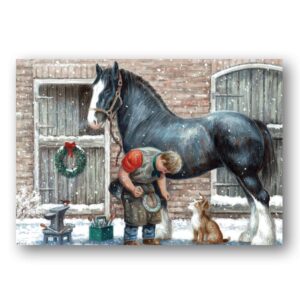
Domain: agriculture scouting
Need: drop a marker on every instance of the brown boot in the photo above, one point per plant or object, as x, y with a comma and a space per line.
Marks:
131, 243
151, 242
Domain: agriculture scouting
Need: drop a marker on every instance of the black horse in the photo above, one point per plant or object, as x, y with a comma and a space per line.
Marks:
221, 139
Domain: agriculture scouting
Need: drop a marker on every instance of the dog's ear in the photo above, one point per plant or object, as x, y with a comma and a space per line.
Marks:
206, 204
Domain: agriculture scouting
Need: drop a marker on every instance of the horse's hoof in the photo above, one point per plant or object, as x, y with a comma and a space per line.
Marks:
263, 240
166, 237
245, 237
163, 234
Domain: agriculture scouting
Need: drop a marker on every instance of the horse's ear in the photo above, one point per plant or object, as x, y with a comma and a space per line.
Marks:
115, 71
98, 69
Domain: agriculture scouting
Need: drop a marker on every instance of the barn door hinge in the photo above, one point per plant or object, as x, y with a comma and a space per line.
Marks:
216, 184
38, 126
44, 98
228, 95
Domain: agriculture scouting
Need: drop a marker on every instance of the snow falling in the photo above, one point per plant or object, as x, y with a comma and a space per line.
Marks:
238, 96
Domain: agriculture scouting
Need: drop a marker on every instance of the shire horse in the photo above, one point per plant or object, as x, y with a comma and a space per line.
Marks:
220, 139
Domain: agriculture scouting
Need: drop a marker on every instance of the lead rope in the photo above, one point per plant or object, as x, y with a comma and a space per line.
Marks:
110, 114
113, 114
116, 140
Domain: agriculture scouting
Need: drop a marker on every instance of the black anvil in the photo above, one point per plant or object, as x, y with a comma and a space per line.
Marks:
57, 229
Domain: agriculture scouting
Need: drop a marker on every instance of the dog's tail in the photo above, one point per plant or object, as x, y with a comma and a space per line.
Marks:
226, 240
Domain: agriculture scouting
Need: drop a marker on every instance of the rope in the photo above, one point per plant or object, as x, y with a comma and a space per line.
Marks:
117, 141
110, 114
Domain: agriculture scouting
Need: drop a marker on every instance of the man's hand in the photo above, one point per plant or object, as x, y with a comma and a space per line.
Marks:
137, 192
166, 195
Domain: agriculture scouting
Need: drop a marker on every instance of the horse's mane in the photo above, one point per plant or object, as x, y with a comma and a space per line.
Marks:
147, 86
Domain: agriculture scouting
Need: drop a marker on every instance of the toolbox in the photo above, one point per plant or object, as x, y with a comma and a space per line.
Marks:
99, 231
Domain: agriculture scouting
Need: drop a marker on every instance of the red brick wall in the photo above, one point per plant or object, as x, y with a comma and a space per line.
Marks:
183, 84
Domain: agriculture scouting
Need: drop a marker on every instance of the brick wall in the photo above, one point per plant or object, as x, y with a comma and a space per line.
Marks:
24, 124
183, 84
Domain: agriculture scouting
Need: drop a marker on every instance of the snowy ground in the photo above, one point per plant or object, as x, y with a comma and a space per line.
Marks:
29, 232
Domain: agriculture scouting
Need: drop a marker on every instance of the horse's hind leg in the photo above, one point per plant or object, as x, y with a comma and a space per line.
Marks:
251, 230
265, 234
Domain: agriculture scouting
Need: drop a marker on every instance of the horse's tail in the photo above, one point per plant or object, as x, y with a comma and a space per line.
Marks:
269, 167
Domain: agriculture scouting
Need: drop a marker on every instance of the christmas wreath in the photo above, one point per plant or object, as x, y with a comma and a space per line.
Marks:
70, 149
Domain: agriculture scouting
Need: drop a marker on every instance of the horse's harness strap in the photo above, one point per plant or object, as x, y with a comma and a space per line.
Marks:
111, 113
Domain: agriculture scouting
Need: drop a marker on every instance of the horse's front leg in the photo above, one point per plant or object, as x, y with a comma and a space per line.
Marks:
164, 230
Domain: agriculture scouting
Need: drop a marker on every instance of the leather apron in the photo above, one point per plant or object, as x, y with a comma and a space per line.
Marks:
135, 213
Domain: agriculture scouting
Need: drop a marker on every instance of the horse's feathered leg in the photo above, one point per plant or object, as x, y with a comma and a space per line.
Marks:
251, 230
265, 234
164, 229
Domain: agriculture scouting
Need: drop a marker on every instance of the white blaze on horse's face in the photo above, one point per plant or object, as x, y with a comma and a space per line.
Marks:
97, 89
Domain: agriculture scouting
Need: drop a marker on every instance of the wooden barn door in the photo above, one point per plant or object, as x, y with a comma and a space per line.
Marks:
256, 91
61, 115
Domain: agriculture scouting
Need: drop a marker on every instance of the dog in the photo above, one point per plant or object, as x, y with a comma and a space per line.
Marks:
206, 230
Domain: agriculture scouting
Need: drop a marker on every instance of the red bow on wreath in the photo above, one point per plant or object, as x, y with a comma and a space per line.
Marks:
70, 147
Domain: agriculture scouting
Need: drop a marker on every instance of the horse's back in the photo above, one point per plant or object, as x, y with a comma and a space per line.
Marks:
238, 140
231, 124
205, 143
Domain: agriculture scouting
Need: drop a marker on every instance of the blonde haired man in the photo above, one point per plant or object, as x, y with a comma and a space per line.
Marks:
140, 168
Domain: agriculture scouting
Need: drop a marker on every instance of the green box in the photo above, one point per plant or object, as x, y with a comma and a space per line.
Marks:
101, 234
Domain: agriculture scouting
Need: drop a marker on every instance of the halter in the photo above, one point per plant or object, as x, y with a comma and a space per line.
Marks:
111, 113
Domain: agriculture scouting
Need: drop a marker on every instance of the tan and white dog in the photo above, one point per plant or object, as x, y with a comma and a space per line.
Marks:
205, 229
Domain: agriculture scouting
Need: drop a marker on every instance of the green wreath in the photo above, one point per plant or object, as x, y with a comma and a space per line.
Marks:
70, 149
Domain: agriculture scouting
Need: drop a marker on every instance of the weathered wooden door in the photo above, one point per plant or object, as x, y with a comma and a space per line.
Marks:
256, 91
61, 115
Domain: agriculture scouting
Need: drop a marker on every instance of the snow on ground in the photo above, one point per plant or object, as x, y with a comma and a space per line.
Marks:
74, 208
29, 232
275, 126
218, 200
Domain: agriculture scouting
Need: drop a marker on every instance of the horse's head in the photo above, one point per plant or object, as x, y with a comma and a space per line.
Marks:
104, 101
